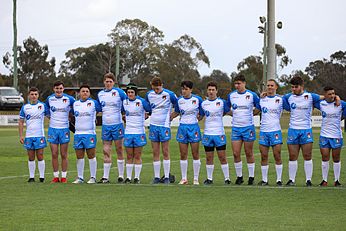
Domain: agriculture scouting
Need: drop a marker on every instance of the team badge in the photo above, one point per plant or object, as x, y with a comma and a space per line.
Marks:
194, 101
180, 136
309, 135
89, 105
120, 131
337, 140
196, 134
251, 133
247, 97
166, 133
222, 138
276, 136
218, 104
137, 104
64, 100
66, 134
39, 107
142, 138
164, 97
114, 93
277, 101
92, 140
306, 97
41, 140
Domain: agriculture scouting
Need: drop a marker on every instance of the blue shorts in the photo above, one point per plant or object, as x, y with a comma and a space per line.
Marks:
159, 133
247, 134
299, 136
135, 140
58, 135
270, 138
188, 133
34, 143
112, 132
84, 141
214, 140
333, 143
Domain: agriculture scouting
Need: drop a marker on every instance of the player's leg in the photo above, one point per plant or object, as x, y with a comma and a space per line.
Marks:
80, 152
91, 153
31, 164
248, 146
120, 159
278, 163
308, 165
130, 154
336, 165
64, 161
293, 152
40, 163
221, 152
196, 162
137, 164
264, 164
209, 154
107, 160
166, 160
183, 147
238, 164
325, 153
55, 161
156, 161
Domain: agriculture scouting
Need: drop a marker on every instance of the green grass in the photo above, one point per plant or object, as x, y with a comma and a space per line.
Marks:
158, 207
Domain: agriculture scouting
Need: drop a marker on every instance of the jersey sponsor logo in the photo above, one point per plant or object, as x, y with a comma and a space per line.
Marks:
103, 103
52, 108
152, 105
293, 105
182, 112
330, 115
264, 109
76, 113
234, 106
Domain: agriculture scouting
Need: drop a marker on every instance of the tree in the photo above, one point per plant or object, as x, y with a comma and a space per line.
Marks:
221, 78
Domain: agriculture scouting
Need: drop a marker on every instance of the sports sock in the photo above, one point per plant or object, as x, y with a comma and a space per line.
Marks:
239, 168
210, 170
337, 168
80, 168
106, 170
32, 167
325, 170
183, 168
264, 169
225, 170
93, 167
41, 167
157, 167
63, 174
121, 164
308, 167
292, 170
56, 174
251, 169
166, 167
278, 168
138, 168
196, 168
129, 168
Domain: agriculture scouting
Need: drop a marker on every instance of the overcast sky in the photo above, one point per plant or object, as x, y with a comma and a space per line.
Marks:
226, 29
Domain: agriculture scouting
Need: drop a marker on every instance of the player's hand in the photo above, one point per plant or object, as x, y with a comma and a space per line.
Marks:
263, 94
337, 100
21, 139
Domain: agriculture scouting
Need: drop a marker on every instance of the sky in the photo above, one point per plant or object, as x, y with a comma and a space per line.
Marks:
226, 29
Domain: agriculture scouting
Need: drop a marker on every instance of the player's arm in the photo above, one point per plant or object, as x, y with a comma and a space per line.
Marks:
21, 129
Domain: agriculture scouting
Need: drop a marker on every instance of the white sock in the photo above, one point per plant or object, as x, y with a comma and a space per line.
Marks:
63, 174
251, 169
56, 174
121, 164
292, 169
210, 170
225, 170
278, 168
129, 168
166, 167
308, 167
337, 167
157, 167
196, 168
80, 168
41, 167
183, 167
264, 169
239, 168
106, 170
325, 170
32, 167
93, 167
138, 168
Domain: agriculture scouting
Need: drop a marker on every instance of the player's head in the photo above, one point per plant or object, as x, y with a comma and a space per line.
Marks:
297, 85
186, 88
131, 91
329, 93
239, 83
156, 84
58, 88
272, 86
212, 90
109, 80
84, 92
33, 95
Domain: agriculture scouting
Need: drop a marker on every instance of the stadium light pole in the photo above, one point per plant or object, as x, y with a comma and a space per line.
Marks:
263, 30
15, 67
271, 51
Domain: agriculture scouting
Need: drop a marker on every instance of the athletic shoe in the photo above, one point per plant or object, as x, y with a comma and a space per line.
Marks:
63, 180
263, 183
55, 180
279, 183
31, 180
227, 181
239, 180
308, 183
195, 182
208, 182
251, 180
120, 180
136, 181
127, 181
166, 180
337, 184
156, 180
183, 182
92, 180
41, 180
78, 181
103, 181
323, 183
290, 183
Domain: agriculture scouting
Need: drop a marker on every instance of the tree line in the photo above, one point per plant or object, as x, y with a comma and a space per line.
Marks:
143, 53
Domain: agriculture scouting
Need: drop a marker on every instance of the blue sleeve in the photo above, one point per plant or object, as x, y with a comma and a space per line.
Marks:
72, 100
315, 97
285, 103
173, 98
122, 94
46, 110
226, 108
146, 105
98, 107
47, 102
258, 106
255, 100
229, 103
317, 105
122, 107
200, 109
176, 108
21, 113
147, 98
343, 107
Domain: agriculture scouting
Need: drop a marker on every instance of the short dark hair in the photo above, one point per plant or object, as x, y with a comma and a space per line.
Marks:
84, 86
109, 75
187, 83
212, 84
156, 81
58, 83
33, 89
273, 80
328, 88
239, 77
297, 80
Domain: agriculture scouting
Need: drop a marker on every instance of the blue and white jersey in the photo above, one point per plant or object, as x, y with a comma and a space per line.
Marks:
271, 108
331, 117
242, 105
189, 108
161, 107
85, 113
214, 111
135, 115
59, 109
300, 108
111, 103
34, 114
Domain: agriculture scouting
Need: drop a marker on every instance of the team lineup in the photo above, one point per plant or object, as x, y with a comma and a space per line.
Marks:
162, 106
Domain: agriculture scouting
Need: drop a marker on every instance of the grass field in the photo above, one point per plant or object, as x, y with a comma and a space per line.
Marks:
48, 206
